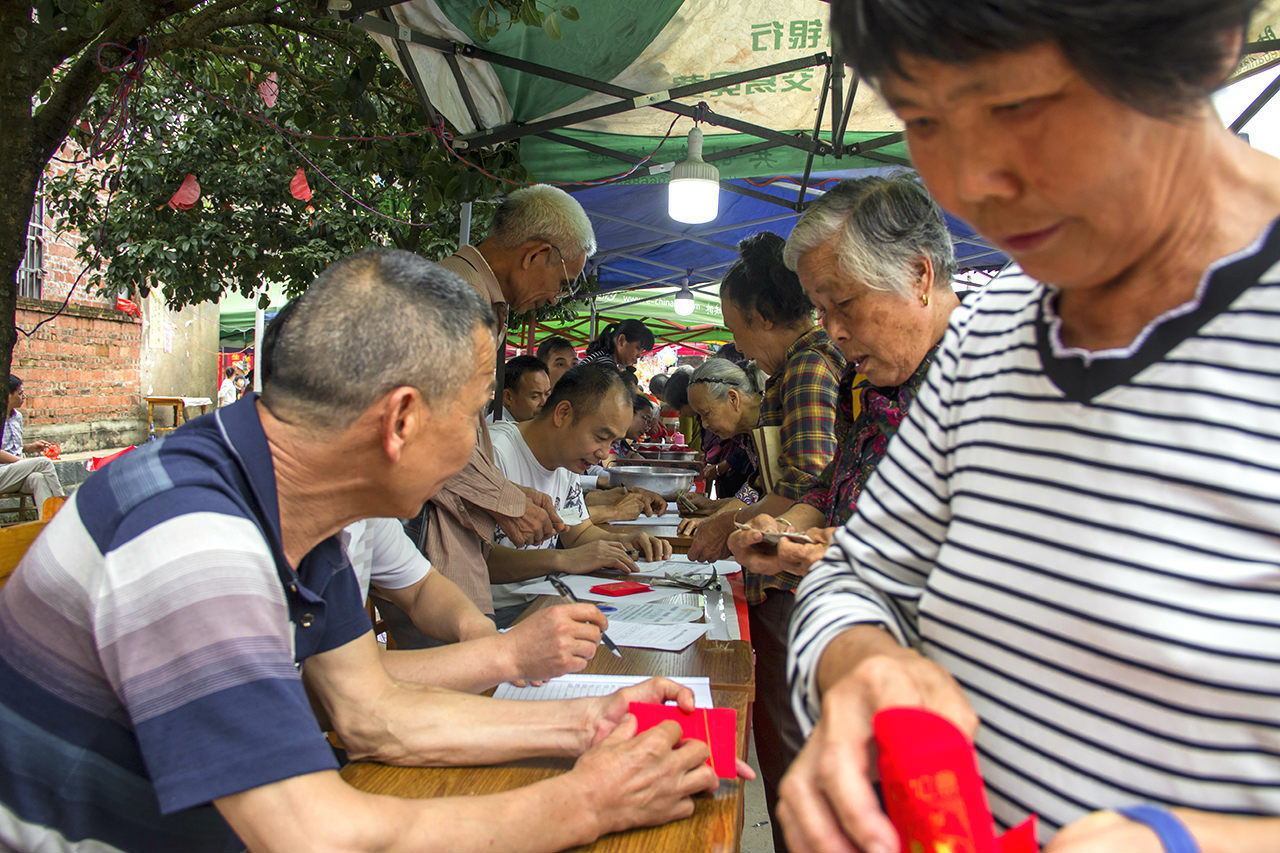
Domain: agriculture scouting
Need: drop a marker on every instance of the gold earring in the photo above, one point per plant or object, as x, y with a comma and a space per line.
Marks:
924, 300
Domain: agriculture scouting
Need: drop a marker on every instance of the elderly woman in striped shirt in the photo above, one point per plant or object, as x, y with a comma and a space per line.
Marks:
1073, 536
876, 259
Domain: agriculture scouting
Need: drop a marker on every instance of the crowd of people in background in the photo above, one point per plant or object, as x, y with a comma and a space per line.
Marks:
1047, 511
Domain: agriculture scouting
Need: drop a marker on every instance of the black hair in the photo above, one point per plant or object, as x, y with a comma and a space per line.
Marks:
676, 394
229, 371
270, 336
553, 344
657, 384
630, 379
631, 328
516, 367
760, 282
641, 403
585, 386
1162, 58
14, 382
730, 352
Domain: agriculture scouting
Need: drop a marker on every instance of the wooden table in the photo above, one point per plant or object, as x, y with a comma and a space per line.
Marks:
716, 824
179, 405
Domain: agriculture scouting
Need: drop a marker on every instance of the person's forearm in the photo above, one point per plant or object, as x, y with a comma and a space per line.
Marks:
297, 813
422, 726
1218, 833
508, 565
850, 648
803, 516
470, 667
770, 504
442, 610
6, 457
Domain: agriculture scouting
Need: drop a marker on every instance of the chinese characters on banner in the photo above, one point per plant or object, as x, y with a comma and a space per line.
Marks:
807, 34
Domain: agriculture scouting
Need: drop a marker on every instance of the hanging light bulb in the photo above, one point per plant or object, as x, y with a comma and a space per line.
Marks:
693, 194
684, 300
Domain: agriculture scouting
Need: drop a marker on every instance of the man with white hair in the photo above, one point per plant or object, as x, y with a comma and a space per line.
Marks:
536, 248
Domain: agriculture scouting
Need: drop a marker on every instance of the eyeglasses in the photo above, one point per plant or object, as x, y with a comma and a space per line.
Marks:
571, 285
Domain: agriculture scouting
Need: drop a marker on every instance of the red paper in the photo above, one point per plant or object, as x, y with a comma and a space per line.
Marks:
128, 306
933, 791
268, 89
98, 461
620, 588
54, 452
299, 188
716, 727
187, 195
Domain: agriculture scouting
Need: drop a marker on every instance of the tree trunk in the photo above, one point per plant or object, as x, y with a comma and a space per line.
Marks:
20, 169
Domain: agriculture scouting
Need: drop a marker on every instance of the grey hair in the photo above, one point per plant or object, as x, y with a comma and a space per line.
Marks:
543, 212
881, 227
720, 374
372, 322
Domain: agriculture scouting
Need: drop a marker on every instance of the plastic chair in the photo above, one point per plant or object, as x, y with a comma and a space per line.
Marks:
14, 542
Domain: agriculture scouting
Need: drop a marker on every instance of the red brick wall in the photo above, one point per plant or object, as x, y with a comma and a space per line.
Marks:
81, 372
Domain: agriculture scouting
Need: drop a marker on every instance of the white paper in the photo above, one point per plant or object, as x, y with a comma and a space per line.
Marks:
656, 613
671, 519
680, 564
581, 586
579, 685
664, 638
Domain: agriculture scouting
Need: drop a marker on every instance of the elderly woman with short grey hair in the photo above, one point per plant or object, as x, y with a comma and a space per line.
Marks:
875, 258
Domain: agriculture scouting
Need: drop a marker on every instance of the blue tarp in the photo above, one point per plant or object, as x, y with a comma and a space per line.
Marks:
641, 246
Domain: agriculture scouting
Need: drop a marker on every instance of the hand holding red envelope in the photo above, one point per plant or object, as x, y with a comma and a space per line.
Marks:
716, 727
933, 792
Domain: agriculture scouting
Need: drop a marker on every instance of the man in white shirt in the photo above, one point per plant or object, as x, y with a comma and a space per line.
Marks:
227, 391
551, 642
587, 411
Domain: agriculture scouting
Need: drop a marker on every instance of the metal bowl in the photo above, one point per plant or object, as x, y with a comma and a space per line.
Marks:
667, 482
678, 455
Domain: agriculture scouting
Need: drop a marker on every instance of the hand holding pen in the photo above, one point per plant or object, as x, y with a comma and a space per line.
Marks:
564, 590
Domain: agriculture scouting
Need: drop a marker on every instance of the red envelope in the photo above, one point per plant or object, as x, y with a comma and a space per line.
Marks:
716, 727
620, 588
933, 792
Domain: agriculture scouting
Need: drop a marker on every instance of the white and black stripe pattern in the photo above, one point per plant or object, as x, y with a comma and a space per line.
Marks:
1091, 546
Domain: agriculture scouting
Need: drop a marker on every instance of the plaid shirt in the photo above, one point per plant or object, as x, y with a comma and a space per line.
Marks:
801, 399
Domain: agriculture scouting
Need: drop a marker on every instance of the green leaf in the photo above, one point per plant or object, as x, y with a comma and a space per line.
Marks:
552, 26
569, 13
477, 20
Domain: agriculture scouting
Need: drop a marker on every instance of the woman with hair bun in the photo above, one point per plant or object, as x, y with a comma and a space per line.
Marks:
620, 344
772, 323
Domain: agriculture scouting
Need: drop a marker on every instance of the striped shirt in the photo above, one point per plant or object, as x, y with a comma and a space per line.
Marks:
1090, 544
149, 648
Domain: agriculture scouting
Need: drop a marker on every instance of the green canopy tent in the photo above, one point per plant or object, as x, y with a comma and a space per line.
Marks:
702, 330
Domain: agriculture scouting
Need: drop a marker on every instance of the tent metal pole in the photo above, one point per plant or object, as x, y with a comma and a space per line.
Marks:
464, 230
817, 128
629, 98
411, 71
837, 141
594, 317
1258, 103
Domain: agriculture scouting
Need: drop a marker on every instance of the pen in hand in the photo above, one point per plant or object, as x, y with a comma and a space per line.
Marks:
564, 590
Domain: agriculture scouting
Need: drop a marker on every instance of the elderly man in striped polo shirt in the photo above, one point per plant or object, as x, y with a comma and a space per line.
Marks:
159, 641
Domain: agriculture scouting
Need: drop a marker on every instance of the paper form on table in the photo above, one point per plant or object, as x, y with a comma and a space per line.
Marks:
579, 685
664, 638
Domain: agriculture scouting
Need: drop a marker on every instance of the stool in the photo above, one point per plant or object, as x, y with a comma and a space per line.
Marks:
26, 503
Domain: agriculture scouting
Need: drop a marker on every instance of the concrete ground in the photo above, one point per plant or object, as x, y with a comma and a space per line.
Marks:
757, 835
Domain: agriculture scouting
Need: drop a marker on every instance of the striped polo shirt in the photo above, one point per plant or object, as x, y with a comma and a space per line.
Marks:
150, 643
1090, 544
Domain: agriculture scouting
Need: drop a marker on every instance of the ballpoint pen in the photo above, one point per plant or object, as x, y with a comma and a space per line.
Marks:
564, 590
